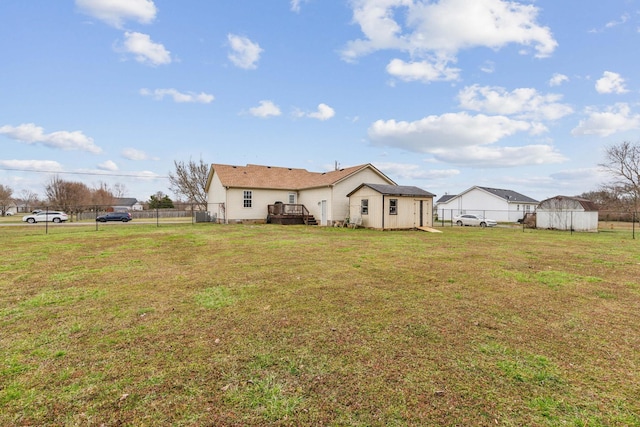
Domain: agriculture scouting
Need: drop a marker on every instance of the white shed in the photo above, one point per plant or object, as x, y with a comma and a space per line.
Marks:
567, 213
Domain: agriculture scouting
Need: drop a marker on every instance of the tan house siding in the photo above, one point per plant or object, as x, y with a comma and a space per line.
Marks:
260, 200
379, 216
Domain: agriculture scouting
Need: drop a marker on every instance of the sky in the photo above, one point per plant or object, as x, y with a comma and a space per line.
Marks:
443, 95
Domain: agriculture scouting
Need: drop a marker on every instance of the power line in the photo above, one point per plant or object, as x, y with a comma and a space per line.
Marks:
87, 173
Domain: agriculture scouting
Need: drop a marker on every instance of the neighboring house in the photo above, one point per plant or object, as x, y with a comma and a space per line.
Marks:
495, 203
244, 193
10, 209
126, 204
567, 213
391, 207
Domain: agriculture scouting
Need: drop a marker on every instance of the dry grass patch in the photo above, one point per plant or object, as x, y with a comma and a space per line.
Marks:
254, 325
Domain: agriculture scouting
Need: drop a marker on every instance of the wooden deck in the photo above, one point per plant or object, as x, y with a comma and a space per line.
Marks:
289, 214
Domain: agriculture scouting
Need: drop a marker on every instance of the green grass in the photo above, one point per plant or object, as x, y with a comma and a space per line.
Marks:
267, 325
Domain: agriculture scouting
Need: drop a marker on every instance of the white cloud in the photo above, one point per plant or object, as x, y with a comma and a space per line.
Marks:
32, 165
179, 97
488, 67
244, 53
495, 157
115, 12
581, 174
557, 79
29, 133
444, 28
134, 154
617, 118
109, 165
265, 109
295, 5
610, 83
323, 113
523, 102
412, 171
424, 71
460, 138
145, 50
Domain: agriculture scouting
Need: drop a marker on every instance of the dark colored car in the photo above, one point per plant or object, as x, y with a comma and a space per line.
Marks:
114, 216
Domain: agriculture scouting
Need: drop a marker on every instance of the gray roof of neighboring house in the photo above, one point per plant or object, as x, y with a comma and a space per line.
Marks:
125, 201
396, 190
446, 198
509, 196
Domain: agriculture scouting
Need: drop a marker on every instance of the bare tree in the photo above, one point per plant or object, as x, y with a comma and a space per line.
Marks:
5, 198
622, 161
190, 180
102, 195
119, 190
29, 198
72, 197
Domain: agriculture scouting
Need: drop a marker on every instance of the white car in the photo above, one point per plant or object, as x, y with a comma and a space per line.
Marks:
471, 219
46, 216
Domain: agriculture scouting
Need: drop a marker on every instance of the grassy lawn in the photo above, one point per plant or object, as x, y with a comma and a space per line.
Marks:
266, 325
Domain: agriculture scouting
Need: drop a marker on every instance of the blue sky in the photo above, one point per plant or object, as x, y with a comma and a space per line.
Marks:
443, 95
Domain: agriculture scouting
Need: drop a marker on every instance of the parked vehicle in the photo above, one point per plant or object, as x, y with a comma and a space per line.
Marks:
114, 216
46, 216
471, 220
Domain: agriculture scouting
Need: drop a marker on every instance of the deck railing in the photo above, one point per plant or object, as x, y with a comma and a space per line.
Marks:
289, 210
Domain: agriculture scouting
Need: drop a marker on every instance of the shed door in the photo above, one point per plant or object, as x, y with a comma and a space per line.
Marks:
423, 213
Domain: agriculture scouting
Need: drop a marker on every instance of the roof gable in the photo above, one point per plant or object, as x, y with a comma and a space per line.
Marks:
271, 177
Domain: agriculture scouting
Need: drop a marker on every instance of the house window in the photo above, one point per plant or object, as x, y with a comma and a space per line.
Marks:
364, 207
247, 198
518, 208
527, 208
292, 198
393, 206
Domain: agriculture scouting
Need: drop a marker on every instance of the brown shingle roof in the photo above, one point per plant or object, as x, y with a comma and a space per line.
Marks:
257, 176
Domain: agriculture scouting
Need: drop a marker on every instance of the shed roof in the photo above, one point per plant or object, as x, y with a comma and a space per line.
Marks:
586, 204
396, 190
273, 177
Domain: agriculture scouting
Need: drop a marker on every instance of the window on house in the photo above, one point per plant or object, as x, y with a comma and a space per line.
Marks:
527, 208
247, 198
393, 206
518, 208
364, 207
292, 198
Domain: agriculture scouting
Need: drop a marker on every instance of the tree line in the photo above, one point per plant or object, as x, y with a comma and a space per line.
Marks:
74, 197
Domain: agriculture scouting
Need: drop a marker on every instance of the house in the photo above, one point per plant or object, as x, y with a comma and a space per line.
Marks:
567, 213
244, 193
391, 207
495, 203
126, 204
